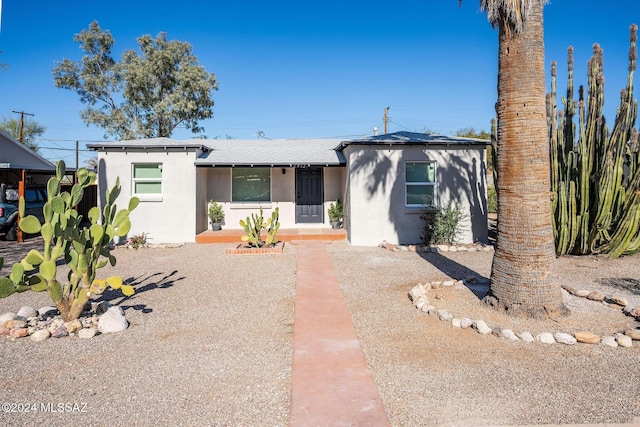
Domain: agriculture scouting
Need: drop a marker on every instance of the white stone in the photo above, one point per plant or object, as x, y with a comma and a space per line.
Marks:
582, 293
465, 323
40, 335
443, 248
546, 338
112, 320
87, 333
7, 316
624, 340
73, 326
56, 323
416, 292
527, 337
633, 333
509, 334
564, 338
448, 283
481, 327
462, 249
609, 341
453, 249
444, 315
425, 308
455, 322
27, 311
619, 301
420, 303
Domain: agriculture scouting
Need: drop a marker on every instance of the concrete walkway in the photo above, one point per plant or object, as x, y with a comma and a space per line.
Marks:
331, 384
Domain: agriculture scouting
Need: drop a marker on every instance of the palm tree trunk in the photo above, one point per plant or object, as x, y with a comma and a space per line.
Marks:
522, 279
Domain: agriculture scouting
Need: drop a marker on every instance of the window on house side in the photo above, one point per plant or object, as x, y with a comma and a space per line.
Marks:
420, 183
147, 179
251, 185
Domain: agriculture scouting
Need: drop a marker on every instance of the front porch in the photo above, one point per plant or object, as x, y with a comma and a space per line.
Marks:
284, 234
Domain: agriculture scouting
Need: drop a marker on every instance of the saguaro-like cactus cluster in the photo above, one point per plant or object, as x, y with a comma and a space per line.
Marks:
595, 172
253, 227
85, 250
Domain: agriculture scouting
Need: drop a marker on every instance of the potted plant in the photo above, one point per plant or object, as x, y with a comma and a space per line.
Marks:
335, 214
216, 215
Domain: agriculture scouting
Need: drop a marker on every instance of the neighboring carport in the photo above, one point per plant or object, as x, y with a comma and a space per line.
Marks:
20, 166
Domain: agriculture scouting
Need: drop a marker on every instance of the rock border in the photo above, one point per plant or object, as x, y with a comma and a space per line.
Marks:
471, 247
420, 299
46, 323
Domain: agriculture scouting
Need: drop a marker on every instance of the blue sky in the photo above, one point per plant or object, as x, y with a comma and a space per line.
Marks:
295, 69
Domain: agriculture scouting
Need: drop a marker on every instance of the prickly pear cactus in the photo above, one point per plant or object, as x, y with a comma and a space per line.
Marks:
85, 250
254, 225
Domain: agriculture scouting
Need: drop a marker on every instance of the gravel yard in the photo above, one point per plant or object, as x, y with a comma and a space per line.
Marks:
211, 335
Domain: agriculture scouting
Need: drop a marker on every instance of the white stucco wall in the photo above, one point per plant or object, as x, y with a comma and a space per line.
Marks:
375, 191
218, 184
170, 218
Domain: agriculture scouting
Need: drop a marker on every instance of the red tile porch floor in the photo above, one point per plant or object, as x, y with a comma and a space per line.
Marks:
284, 234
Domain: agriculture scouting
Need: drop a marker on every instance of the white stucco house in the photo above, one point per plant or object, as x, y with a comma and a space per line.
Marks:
383, 181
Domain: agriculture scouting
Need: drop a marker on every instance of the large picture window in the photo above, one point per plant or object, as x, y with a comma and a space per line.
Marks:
147, 179
251, 185
420, 180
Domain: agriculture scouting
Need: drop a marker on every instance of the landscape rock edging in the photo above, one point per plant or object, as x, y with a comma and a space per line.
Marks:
47, 323
419, 296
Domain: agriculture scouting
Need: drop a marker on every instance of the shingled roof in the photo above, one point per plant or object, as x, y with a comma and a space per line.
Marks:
281, 152
412, 138
276, 152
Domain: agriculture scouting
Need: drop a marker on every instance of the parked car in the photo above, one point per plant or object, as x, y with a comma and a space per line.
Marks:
35, 198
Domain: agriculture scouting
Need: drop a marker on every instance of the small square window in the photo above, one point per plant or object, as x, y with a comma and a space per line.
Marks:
147, 179
251, 185
420, 181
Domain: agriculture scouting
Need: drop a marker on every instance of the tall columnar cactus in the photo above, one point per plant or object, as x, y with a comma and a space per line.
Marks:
595, 178
254, 225
85, 250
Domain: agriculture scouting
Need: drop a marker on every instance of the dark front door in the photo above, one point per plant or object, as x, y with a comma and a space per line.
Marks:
309, 206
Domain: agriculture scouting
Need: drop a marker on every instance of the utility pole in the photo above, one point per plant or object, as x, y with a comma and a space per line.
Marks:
22, 114
385, 120
75, 176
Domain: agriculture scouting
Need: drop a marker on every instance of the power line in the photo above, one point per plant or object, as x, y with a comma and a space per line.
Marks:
64, 149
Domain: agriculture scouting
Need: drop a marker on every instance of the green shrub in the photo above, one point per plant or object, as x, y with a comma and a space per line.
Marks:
442, 224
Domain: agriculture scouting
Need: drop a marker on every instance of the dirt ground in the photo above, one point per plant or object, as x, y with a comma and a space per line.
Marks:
210, 339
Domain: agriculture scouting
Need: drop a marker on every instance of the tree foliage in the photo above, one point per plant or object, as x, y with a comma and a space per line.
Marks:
470, 132
149, 93
30, 131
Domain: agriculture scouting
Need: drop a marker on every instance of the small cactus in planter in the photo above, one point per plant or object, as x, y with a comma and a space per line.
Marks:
335, 214
216, 215
85, 250
253, 227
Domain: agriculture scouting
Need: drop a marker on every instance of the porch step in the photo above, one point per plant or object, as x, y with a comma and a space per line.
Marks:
284, 234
